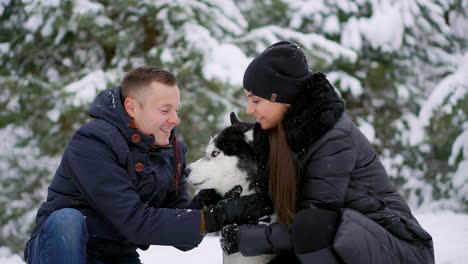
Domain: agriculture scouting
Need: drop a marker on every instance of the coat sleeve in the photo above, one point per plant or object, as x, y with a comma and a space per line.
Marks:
90, 161
327, 171
256, 240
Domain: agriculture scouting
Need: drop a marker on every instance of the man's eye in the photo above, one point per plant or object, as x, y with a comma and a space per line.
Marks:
214, 153
165, 111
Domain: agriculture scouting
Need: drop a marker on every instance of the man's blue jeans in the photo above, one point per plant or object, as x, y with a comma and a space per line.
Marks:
62, 239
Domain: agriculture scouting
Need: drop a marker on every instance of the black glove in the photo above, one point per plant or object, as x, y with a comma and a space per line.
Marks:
207, 197
230, 239
236, 209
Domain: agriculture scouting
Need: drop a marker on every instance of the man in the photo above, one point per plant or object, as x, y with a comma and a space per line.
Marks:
120, 184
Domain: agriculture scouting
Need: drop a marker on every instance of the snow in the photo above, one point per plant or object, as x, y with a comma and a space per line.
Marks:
328, 50
448, 229
351, 36
346, 82
30, 159
227, 63
7, 258
304, 8
459, 179
86, 89
367, 129
223, 61
384, 29
84, 7
331, 24
453, 87
450, 235
4, 47
460, 145
33, 22
48, 27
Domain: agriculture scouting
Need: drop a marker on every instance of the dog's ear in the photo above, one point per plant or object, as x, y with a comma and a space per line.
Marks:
244, 127
234, 119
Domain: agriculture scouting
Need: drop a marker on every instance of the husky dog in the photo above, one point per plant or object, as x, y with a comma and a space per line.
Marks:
229, 161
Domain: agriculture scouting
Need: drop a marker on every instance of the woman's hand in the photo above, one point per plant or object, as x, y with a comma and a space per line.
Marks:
236, 209
230, 239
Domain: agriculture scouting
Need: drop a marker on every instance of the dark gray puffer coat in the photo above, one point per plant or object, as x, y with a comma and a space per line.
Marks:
342, 173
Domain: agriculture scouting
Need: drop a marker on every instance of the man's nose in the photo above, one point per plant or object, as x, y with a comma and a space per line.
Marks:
174, 119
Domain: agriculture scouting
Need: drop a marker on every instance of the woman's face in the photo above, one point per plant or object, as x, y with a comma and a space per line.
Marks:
268, 114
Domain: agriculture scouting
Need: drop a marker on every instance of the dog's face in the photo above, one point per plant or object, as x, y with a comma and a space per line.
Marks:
229, 161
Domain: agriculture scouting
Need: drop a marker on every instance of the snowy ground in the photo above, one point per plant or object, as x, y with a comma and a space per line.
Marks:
449, 230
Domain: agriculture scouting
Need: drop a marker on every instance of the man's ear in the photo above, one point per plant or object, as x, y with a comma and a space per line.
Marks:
129, 106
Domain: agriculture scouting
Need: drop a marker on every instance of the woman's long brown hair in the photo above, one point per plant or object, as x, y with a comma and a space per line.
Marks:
282, 177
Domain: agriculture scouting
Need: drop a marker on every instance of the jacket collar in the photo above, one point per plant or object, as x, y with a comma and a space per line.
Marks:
314, 113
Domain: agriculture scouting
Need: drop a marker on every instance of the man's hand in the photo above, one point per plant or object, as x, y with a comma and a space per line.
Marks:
208, 197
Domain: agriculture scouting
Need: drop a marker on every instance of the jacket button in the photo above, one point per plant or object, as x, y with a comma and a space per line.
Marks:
139, 167
136, 138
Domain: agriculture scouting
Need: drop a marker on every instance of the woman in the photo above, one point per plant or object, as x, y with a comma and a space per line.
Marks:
331, 194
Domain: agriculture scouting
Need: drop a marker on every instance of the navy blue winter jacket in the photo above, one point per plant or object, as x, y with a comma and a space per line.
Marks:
124, 186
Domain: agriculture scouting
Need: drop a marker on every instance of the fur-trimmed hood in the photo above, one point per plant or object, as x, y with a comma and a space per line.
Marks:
315, 111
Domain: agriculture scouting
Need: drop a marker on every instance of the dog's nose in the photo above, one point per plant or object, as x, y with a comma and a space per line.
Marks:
187, 171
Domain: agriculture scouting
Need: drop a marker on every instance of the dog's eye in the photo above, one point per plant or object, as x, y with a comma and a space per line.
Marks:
214, 153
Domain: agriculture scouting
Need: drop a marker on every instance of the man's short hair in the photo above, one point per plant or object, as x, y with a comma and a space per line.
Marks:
138, 79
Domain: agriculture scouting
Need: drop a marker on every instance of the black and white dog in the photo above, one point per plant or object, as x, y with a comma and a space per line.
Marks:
229, 161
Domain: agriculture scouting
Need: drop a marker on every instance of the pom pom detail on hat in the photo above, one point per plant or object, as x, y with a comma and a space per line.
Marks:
278, 73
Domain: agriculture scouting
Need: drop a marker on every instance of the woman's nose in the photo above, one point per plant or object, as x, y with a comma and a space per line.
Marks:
249, 109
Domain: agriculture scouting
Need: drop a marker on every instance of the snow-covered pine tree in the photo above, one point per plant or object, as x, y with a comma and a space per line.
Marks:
400, 65
438, 132
435, 45
57, 55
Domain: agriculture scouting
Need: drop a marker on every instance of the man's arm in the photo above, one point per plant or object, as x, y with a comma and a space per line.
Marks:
89, 161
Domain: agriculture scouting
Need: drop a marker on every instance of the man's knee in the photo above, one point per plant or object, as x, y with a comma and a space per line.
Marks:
68, 223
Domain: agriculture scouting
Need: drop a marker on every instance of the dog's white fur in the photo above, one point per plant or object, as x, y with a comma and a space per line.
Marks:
221, 172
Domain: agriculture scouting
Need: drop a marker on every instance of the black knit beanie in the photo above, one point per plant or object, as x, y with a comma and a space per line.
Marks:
278, 73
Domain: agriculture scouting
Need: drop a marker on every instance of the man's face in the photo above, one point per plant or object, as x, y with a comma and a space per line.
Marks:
155, 113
